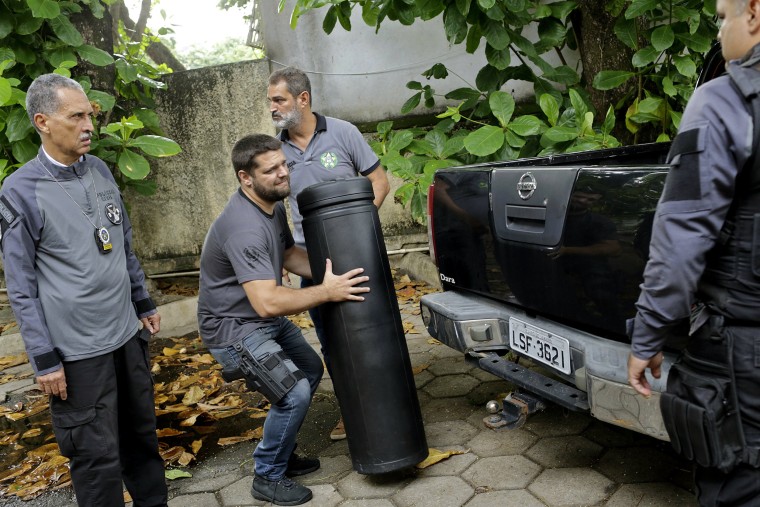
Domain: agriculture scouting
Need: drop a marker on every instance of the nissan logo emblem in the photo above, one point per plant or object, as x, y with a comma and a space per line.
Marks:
526, 185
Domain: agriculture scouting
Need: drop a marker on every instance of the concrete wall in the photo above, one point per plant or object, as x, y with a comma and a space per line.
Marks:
206, 111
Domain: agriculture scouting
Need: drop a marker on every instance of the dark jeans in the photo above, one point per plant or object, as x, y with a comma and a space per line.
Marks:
107, 428
286, 416
741, 486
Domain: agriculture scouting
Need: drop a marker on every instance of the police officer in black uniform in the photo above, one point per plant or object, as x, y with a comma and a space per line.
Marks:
704, 267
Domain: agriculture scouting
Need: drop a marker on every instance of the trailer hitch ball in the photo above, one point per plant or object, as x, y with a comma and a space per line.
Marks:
517, 407
492, 407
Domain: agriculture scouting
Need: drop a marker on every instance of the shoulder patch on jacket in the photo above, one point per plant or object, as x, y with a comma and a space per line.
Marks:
8, 215
683, 181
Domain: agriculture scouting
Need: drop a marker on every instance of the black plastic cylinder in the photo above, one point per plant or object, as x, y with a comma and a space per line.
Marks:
372, 373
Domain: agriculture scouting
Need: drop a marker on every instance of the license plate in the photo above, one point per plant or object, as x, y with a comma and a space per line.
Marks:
544, 347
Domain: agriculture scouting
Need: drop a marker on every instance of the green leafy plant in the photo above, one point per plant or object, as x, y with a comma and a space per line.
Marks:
666, 40
668, 53
119, 145
415, 154
38, 36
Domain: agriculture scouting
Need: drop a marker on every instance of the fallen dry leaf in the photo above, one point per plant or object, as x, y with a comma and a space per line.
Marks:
185, 459
409, 328
11, 327
301, 320
434, 456
256, 433
420, 369
11, 361
226, 414
34, 432
172, 454
169, 432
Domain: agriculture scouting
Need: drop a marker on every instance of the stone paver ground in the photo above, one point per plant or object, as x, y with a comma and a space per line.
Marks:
558, 458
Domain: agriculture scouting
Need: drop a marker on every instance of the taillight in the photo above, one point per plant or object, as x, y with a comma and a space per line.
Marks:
431, 235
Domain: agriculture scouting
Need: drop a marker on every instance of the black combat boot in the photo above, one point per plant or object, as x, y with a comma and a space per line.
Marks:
301, 465
281, 492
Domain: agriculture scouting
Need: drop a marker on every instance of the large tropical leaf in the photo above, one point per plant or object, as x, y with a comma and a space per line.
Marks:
133, 165
155, 146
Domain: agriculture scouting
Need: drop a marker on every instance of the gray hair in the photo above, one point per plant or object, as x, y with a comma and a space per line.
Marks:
42, 95
246, 150
740, 5
296, 81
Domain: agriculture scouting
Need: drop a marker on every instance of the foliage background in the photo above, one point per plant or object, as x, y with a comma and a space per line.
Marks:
638, 62
81, 39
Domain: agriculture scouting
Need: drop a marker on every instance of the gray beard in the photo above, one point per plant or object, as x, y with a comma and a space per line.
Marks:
288, 120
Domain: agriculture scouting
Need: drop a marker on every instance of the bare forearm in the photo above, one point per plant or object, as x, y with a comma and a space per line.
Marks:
297, 261
272, 300
380, 185
380, 195
286, 301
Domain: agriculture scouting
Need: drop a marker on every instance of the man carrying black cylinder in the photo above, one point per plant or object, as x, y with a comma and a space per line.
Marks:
242, 304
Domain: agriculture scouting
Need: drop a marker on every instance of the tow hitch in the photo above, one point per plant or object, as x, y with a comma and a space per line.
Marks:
514, 412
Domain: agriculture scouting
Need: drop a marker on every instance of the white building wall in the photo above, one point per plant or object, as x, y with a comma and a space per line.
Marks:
361, 75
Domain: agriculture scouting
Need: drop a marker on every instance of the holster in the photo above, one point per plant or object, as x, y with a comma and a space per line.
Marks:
269, 374
700, 405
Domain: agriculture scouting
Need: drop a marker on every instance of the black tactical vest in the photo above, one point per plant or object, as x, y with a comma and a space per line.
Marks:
731, 282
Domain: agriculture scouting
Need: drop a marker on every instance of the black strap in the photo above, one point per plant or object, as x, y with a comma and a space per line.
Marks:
47, 360
144, 306
298, 374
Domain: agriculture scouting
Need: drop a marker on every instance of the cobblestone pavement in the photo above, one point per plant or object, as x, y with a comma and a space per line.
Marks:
558, 458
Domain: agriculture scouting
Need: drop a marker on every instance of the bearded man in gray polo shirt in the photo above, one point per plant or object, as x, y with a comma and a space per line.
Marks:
318, 148
242, 304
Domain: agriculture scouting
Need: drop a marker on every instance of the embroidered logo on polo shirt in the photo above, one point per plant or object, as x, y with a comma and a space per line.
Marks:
329, 160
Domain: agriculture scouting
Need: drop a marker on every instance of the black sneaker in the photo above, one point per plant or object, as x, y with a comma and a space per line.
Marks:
301, 465
282, 492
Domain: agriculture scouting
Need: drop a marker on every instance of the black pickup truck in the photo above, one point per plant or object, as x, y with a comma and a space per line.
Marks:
542, 259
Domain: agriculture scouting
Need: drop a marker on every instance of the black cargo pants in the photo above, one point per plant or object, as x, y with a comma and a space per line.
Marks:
741, 486
107, 428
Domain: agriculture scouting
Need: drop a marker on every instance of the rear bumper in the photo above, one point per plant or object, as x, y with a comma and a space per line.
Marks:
473, 324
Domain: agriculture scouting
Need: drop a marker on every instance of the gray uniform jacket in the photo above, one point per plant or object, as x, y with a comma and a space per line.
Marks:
71, 301
714, 142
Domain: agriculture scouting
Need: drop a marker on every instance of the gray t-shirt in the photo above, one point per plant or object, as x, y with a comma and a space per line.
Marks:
336, 151
243, 244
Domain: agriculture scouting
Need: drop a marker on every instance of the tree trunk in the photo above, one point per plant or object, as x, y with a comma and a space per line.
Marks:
600, 50
96, 32
157, 51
